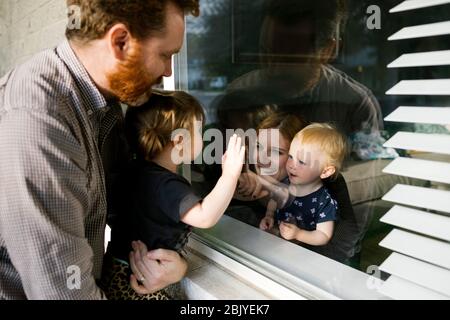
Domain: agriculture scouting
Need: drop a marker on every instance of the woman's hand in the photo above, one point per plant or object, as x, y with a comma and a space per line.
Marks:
155, 269
266, 223
250, 186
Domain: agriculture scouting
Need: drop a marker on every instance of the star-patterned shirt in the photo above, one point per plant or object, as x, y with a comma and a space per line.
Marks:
308, 211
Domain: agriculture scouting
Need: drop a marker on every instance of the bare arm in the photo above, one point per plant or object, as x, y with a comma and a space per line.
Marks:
319, 237
271, 208
268, 221
208, 213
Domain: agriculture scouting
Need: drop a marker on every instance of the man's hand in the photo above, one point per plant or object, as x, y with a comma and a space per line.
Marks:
289, 231
156, 269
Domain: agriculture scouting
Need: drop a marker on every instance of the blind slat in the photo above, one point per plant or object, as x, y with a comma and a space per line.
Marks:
421, 31
400, 289
434, 87
420, 264
428, 115
418, 272
420, 169
437, 143
417, 4
427, 223
419, 197
422, 59
430, 250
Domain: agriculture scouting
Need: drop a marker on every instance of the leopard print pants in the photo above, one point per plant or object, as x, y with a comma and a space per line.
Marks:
116, 283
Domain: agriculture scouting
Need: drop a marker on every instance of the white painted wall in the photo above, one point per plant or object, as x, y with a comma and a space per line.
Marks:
28, 27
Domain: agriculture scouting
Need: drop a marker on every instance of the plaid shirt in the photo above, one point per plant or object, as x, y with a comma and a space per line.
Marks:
54, 128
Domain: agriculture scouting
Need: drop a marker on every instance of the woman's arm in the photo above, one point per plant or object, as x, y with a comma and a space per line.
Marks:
267, 222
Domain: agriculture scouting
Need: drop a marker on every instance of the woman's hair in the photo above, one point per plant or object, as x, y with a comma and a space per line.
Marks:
329, 140
288, 124
243, 108
149, 128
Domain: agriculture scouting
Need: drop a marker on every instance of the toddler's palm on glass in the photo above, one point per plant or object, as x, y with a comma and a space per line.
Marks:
233, 159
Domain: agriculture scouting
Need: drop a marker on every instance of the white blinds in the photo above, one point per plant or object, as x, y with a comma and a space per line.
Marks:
420, 263
421, 31
435, 87
422, 59
417, 4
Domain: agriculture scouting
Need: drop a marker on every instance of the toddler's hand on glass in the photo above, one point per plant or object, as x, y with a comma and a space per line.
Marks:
233, 159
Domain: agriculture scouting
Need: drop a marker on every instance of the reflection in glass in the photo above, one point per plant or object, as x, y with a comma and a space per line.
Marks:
283, 64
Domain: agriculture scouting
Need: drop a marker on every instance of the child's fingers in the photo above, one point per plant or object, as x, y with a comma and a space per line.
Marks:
237, 147
257, 190
232, 143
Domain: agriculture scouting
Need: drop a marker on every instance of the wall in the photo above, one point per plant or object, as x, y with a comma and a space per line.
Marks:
27, 27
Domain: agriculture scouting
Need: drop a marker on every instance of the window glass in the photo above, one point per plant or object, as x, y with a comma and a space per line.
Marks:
266, 66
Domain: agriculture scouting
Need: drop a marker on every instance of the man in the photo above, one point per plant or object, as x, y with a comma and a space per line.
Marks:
298, 41
59, 114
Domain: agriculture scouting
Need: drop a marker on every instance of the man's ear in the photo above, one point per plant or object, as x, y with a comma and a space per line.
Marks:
119, 41
327, 172
329, 52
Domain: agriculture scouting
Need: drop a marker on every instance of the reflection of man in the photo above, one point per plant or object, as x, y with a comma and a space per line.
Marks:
298, 40
59, 115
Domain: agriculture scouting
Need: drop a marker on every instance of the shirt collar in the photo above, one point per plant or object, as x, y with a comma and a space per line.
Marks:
91, 95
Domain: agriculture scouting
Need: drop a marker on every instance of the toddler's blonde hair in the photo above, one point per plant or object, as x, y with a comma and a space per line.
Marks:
328, 139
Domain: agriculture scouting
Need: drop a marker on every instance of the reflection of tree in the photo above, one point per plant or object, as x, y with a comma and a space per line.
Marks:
210, 41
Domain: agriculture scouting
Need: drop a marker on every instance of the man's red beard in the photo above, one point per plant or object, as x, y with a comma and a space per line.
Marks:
132, 83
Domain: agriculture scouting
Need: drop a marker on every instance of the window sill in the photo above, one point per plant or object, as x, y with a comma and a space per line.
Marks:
277, 268
207, 281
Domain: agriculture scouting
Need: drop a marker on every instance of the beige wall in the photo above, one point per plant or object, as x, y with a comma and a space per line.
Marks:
27, 27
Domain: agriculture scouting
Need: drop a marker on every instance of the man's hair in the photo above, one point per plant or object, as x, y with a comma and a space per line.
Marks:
149, 128
327, 16
142, 17
329, 140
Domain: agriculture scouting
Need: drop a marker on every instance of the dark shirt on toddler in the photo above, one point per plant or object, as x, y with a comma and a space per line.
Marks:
308, 211
150, 203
